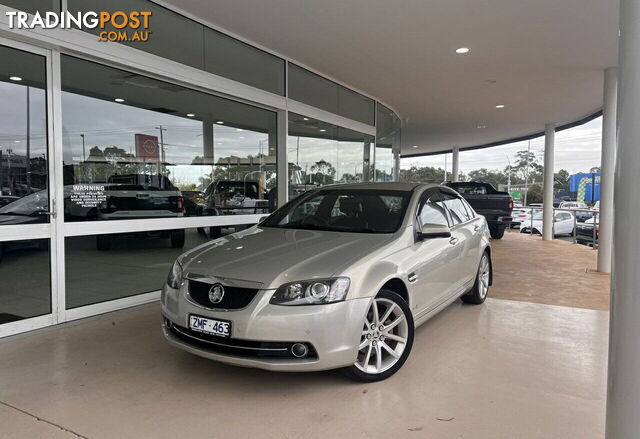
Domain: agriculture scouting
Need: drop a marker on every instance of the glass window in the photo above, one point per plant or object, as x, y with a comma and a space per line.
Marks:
233, 59
130, 264
321, 154
387, 140
23, 138
433, 212
25, 290
183, 40
33, 6
456, 207
312, 89
136, 147
470, 189
344, 210
173, 36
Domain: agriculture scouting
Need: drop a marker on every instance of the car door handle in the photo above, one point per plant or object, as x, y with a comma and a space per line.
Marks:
453, 240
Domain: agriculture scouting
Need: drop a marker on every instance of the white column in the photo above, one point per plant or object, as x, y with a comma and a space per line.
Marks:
607, 167
282, 157
455, 153
396, 166
623, 398
547, 197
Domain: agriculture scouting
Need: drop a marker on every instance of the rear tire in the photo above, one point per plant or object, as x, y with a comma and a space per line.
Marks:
386, 340
497, 232
480, 289
177, 238
215, 232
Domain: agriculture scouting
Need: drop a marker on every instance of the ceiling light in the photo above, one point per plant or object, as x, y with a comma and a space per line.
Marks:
481, 127
414, 146
322, 130
220, 122
119, 100
305, 118
191, 115
462, 50
15, 78
500, 106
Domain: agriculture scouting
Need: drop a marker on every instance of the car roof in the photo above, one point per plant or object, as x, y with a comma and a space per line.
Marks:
383, 186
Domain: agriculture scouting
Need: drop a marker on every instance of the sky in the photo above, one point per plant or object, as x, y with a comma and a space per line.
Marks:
577, 150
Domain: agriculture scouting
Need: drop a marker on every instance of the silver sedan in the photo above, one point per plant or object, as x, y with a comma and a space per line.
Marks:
340, 277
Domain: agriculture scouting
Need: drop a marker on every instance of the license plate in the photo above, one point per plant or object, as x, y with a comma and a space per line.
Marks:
210, 326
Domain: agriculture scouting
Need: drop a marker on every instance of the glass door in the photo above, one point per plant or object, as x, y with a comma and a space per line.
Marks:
27, 216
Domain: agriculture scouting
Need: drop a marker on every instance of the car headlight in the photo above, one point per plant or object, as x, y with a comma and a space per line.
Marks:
312, 292
174, 280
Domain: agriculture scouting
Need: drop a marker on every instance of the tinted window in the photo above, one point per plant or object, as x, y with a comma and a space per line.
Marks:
387, 139
33, 6
433, 212
133, 144
359, 211
471, 189
312, 89
23, 138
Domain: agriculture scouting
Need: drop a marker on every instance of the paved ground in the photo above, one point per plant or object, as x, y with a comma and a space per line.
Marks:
506, 369
554, 273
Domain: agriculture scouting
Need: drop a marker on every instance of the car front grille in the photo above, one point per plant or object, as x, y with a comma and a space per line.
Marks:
237, 347
234, 297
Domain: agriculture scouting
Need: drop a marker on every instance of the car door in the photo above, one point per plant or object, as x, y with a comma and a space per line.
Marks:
434, 262
463, 233
564, 226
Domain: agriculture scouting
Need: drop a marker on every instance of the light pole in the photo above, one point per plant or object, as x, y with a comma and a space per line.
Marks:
509, 176
526, 173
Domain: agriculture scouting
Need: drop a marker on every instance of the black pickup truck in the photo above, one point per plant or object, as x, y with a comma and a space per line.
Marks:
494, 205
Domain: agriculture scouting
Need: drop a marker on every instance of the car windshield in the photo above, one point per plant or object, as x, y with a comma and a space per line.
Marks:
29, 205
344, 210
538, 215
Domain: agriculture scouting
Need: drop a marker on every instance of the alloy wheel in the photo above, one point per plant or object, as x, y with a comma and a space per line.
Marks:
483, 277
384, 337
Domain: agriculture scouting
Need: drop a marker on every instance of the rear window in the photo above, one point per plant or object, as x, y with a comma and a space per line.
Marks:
471, 190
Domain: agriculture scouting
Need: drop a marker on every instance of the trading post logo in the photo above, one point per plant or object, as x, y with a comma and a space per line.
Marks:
117, 26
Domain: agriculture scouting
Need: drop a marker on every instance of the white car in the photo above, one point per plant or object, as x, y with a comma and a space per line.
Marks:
563, 224
520, 215
573, 205
337, 278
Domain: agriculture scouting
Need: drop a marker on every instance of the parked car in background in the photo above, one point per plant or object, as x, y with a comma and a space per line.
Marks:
520, 215
340, 277
229, 197
582, 211
563, 224
573, 205
495, 206
585, 233
136, 196
193, 203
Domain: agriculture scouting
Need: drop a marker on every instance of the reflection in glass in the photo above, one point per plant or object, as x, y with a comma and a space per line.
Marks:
23, 135
388, 129
135, 147
25, 288
106, 267
321, 154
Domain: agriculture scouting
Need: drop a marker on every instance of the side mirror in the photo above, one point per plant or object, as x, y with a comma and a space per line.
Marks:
434, 231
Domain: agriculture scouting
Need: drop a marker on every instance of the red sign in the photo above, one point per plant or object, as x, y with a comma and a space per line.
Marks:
147, 147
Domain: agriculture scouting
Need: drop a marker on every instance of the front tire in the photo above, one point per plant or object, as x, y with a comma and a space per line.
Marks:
386, 340
480, 290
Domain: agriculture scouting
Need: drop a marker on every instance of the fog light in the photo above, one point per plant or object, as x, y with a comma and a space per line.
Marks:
299, 350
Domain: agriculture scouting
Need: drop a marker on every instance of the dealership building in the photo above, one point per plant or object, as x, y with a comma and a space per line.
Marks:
124, 145
116, 158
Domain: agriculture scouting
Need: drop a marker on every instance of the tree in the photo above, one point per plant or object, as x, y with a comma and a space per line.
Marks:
534, 194
426, 174
322, 172
561, 180
527, 162
493, 176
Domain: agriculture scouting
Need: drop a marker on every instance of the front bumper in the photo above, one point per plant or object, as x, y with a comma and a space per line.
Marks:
332, 330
